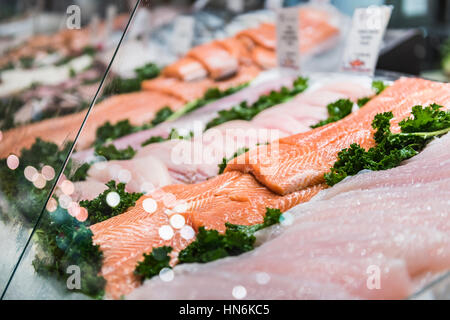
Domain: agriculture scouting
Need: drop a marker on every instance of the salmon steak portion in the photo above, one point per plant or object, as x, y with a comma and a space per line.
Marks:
301, 160
185, 69
237, 49
232, 197
218, 61
138, 107
186, 91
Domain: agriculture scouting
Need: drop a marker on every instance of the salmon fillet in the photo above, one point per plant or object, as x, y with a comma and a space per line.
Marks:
233, 197
219, 63
186, 91
301, 160
58, 130
186, 69
237, 49
263, 57
265, 35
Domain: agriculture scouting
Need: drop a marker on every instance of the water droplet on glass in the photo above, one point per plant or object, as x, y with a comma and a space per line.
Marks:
166, 274
67, 187
187, 232
286, 219
52, 205
48, 172
12, 161
181, 207
73, 209
39, 181
169, 200
113, 199
262, 278
147, 187
82, 214
166, 232
177, 221
30, 173
239, 292
124, 176
65, 201
149, 205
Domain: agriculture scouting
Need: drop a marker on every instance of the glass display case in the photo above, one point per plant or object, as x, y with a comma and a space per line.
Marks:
100, 101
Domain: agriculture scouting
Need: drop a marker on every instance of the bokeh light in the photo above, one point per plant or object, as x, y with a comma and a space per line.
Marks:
187, 233
239, 292
177, 221
149, 205
12, 161
113, 199
166, 232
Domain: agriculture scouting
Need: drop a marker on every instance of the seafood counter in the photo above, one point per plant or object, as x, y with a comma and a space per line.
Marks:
221, 176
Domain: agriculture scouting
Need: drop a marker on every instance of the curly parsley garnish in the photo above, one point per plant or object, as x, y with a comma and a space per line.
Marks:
392, 148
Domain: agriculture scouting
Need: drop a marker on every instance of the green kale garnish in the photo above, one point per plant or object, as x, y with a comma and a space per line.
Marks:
63, 241
99, 210
363, 101
378, 87
14, 185
155, 139
246, 112
120, 85
336, 111
225, 161
8, 108
26, 62
391, 148
153, 263
80, 173
210, 96
162, 115
209, 245
108, 132
110, 152
172, 135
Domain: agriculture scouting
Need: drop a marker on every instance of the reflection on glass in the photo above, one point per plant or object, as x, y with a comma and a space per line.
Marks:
50, 70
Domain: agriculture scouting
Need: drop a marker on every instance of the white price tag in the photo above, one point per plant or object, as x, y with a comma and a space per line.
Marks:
288, 42
364, 42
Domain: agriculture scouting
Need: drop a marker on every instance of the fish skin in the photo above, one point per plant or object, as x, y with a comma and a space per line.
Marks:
306, 157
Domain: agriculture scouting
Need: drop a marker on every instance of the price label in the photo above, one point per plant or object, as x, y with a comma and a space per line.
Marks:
364, 42
288, 42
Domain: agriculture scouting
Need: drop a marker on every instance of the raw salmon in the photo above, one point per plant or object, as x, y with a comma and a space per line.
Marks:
186, 69
218, 61
197, 119
264, 35
263, 57
233, 197
302, 160
236, 49
139, 108
394, 221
